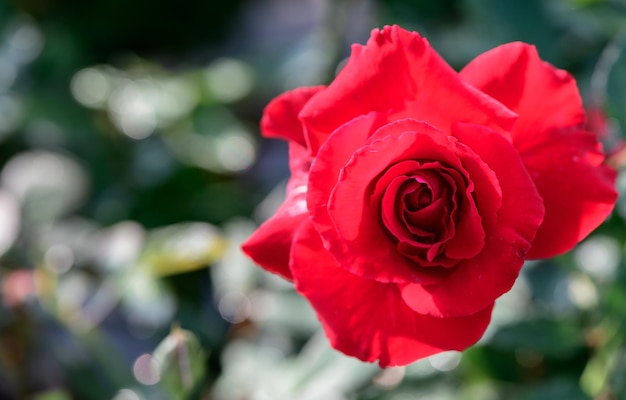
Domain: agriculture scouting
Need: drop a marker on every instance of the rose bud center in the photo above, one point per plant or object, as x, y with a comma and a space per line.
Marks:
418, 198
421, 210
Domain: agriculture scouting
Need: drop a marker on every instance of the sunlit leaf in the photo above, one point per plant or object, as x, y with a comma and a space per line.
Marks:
545, 336
53, 395
183, 247
555, 389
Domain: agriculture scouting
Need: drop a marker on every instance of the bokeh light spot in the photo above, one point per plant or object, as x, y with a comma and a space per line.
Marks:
48, 184
10, 217
126, 394
18, 287
390, 377
145, 370
132, 108
91, 87
229, 80
25, 39
234, 307
59, 258
581, 291
235, 151
446, 361
176, 99
599, 256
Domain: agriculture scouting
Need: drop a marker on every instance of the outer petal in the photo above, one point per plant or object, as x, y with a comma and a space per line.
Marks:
544, 97
577, 189
280, 117
367, 319
477, 282
334, 156
564, 161
397, 73
270, 245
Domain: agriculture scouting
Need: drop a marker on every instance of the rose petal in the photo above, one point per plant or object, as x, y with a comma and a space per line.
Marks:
329, 161
455, 221
358, 241
477, 282
280, 117
544, 97
389, 208
270, 244
430, 216
564, 161
367, 319
395, 214
468, 236
405, 223
398, 74
356, 238
577, 190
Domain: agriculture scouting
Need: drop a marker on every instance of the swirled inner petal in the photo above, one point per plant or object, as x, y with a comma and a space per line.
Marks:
359, 241
493, 271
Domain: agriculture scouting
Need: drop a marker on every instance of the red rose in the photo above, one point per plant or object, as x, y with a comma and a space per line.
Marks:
417, 192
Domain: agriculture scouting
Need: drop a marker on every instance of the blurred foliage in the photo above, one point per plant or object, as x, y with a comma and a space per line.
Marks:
130, 161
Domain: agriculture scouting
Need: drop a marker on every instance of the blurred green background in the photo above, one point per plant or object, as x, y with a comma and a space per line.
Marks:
131, 168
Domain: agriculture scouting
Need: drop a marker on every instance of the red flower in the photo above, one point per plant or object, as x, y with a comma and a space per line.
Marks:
417, 192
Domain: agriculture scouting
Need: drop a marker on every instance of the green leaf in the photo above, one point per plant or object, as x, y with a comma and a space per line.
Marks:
549, 337
555, 389
183, 247
52, 395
